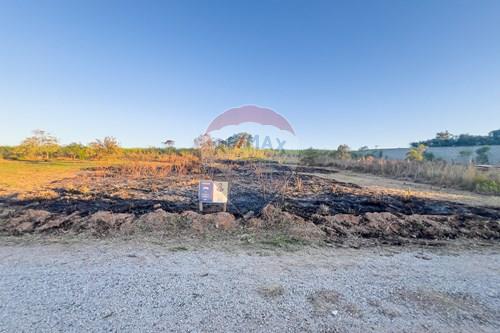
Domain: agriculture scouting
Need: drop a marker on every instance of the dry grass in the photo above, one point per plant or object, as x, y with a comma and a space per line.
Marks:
241, 154
271, 291
22, 176
167, 165
464, 306
436, 173
28, 176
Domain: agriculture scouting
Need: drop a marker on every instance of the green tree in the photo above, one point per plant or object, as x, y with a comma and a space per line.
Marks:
482, 155
309, 156
445, 135
76, 151
416, 153
240, 140
40, 145
495, 134
428, 156
466, 155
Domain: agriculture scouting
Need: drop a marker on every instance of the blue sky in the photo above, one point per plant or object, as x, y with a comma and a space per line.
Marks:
376, 73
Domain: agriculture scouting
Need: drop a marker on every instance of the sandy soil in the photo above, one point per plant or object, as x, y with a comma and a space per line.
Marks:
188, 287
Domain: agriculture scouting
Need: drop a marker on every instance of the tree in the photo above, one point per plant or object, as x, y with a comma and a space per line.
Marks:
428, 156
444, 135
466, 155
75, 151
40, 145
495, 134
220, 143
482, 155
169, 143
240, 140
109, 146
343, 152
309, 156
204, 142
446, 139
416, 153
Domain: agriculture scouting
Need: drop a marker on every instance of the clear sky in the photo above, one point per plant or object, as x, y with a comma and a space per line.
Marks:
358, 72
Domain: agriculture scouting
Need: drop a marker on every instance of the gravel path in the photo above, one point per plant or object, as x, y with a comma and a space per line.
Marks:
123, 286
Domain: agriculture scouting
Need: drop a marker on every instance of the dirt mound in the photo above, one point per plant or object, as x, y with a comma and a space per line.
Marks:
388, 226
101, 223
383, 226
26, 221
276, 219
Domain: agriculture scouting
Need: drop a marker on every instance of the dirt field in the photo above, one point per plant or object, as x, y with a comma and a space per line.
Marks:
301, 249
303, 203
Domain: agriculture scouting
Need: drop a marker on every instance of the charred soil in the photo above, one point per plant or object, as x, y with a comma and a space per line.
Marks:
263, 197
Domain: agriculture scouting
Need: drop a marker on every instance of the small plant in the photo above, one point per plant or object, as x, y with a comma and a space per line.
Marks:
178, 249
407, 196
284, 241
485, 185
482, 155
298, 183
466, 155
309, 156
416, 153
271, 291
428, 156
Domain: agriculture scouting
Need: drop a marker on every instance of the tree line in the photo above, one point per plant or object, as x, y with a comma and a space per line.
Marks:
44, 146
447, 139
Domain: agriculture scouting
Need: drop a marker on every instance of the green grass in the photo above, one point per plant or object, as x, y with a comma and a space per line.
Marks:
20, 176
284, 242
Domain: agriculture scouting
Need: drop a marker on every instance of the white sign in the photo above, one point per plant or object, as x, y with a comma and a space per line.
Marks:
213, 191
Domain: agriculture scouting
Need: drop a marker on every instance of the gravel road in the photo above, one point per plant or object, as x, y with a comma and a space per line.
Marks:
132, 286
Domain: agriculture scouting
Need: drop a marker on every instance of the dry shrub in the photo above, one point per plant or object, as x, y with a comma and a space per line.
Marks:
433, 172
241, 153
169, 164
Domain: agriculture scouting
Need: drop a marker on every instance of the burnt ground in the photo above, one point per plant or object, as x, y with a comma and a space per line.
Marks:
265, 191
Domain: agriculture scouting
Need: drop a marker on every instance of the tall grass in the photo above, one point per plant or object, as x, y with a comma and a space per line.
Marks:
146, 165
466, 177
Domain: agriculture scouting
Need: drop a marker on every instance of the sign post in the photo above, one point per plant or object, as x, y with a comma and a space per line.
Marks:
213, 192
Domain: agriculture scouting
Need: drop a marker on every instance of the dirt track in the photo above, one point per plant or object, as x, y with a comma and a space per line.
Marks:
131, 286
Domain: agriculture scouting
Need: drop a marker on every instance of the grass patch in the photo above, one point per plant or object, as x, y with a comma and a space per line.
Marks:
271, 291
284, 242
24, 176
17, 176
178, 249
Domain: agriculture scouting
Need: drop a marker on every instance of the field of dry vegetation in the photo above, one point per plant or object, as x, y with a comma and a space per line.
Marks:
101, 189
290, 203
438, 173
